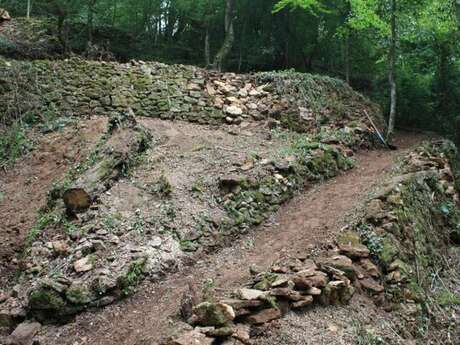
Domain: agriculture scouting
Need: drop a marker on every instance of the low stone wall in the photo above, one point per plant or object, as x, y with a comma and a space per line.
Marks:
413, 219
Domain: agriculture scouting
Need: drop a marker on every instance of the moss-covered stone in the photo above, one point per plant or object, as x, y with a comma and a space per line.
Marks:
78, 294
45, 299
213, 314
389, 250
131, 278
417, 226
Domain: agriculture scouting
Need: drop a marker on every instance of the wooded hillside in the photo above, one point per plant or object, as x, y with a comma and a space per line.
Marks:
368, 43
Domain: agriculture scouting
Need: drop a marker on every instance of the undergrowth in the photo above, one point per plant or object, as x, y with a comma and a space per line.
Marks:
366, 336
46, 219
21, 98
14, 142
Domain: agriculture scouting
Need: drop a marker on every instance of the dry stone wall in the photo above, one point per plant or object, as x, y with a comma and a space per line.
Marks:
77, 87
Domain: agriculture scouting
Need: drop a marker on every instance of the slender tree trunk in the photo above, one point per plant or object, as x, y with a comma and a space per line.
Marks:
207, 47
392, 72
62, 28
114, 13
28, 9
286, 54
62, 33
347, 58
243, 35
229, 36
90, 18
457, 15
457, 130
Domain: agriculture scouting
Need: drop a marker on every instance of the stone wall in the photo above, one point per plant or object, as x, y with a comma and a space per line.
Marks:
76, 87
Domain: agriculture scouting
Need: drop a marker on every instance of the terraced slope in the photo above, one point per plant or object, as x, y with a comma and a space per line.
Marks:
181, 163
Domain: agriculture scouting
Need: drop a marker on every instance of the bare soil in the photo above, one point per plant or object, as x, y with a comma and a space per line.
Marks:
356, 323
24, 187
305, 225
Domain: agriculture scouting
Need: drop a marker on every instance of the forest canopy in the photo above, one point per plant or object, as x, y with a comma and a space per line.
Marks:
403, 53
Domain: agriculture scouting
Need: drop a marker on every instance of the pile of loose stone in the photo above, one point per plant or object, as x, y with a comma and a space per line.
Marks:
291, 284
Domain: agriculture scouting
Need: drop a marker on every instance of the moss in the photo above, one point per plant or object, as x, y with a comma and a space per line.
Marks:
188, 246
349, 237
414, 290
403, 267
198, 187
266, 281
106, 168
221, 332
447, 298
132, 277
45, 299
389, 251
162, 187
211, 314
78, 294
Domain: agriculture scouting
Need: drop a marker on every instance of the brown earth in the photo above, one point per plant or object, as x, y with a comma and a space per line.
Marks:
307, 224
24, 187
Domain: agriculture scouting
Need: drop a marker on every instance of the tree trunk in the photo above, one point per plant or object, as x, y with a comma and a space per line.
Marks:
62, 28
91, 5
229, 36
207, 47
114, 13
347, 58
392, 72
28, 9
457, 130
62, 33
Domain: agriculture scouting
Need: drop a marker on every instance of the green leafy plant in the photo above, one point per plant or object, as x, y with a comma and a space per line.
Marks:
366, 336
162, 187
132, 277
370, 239
44, 220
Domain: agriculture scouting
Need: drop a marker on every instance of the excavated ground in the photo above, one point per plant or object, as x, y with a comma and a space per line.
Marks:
310, 221
24, 187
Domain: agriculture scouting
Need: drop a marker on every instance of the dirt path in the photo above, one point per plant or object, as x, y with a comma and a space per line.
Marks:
305, 224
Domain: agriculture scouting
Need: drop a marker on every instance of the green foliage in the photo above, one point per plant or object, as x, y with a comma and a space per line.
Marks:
344, 38
132, 277
44, 220
447, 298
14, 142
365, 15
78, 294
308, 5
366, 336
371, 239
162, 187
47, 219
